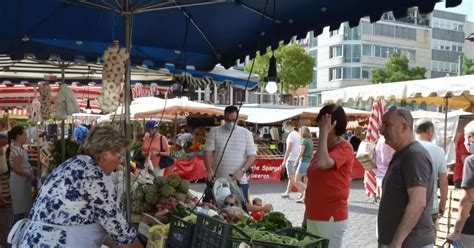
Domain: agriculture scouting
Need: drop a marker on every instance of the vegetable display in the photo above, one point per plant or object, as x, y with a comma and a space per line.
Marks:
273, 221
163, 197
276, 238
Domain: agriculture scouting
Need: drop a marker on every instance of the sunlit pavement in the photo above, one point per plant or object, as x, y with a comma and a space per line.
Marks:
362, 211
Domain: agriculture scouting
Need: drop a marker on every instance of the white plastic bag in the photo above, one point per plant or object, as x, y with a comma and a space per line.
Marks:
366, 155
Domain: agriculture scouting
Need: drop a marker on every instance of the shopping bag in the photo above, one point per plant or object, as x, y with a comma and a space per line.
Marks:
165, 161
366, 155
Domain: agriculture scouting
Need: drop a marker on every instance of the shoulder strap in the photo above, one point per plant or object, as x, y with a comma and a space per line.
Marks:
161, 143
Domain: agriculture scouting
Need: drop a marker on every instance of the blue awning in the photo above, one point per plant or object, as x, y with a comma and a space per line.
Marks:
187, 32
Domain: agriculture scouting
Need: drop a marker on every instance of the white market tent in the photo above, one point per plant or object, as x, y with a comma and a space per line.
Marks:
264, 113
458, 91
178, 106
452, 123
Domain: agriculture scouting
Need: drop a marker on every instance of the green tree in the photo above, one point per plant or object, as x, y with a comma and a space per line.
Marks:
397, 70
294, 66
467, 66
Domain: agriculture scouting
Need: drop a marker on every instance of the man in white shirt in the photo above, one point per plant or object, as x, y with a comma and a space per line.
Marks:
293, 142
238, 156
184, 137
425, 131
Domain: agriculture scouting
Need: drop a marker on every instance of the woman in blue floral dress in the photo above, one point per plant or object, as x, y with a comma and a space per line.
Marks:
77, 206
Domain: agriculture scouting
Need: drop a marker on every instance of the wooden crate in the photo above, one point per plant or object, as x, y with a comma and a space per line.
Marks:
448, 220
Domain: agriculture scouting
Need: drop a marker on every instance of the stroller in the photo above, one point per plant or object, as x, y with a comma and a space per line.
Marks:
222, 188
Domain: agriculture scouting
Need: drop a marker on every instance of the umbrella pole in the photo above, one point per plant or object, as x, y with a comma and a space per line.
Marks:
128, 42
445, 123
175, 127
63, 123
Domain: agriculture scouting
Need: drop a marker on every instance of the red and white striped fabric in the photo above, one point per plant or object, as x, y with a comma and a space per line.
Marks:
373, 134
137, 90
94, 104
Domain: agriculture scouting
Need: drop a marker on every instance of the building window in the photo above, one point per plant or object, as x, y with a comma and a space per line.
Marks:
351, 33
352, 53
366, 28
378, 51
335, 73
313, 41
446, 45
313, 100
384, 52
335, 51
314, 82
366, 50
377, 29
447, 24
301, 103
442, 66
388, 16
366, 73
351, 73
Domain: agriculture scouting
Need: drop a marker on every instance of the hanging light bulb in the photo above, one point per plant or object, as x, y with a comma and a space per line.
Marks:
271, 87
88, 107
272, 78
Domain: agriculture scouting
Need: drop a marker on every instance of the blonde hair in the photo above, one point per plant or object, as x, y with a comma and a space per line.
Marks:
305, 133
102, 138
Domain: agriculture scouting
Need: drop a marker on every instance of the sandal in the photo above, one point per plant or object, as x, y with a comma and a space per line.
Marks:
285, 196
301, 200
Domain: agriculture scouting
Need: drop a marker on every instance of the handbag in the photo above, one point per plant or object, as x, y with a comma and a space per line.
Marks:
165, 161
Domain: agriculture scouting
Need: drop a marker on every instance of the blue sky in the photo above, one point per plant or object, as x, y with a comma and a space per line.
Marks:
466, 8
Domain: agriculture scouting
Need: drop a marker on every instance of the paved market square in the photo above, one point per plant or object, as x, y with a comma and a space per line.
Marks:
362, 210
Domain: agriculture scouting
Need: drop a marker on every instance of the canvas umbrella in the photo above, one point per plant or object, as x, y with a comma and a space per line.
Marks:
373, 134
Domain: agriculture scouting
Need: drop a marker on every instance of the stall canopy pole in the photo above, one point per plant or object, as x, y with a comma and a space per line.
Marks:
175, 127
446, 123
127, 99
63, 122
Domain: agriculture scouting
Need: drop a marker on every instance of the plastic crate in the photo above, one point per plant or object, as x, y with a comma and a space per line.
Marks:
180, 233
214, 233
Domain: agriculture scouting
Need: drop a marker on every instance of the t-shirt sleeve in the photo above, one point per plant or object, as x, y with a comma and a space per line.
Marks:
295, 138
211, 141
442, 167
342, 155
467, 175
250, 145
416, 170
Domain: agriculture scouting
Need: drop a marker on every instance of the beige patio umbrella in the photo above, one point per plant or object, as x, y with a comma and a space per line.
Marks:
452, 92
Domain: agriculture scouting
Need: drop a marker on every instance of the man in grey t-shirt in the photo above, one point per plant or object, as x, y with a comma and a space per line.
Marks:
404, 218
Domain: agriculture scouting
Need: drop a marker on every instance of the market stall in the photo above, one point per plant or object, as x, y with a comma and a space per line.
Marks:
267, 121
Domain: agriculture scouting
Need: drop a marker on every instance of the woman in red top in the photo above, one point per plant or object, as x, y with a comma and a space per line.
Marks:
329, 178
152, 146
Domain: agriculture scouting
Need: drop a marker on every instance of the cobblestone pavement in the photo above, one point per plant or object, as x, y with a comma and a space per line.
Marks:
362, 211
